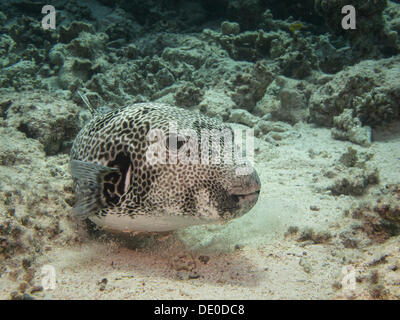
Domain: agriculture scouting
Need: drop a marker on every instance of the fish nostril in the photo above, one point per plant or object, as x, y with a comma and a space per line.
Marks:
235, 198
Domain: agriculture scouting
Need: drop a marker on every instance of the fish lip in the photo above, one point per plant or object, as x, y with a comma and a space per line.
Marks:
240, 191
247, 197
245, 202
244, 195
244, 192
246, 185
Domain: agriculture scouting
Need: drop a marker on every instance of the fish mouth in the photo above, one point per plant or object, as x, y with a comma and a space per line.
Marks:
245, 193
246, 201
241, 191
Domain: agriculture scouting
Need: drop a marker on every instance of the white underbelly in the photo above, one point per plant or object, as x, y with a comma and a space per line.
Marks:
143, 223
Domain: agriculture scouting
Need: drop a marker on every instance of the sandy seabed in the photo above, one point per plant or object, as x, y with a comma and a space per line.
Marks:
253, 257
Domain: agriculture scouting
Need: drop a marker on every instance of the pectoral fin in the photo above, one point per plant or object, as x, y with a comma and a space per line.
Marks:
88, 182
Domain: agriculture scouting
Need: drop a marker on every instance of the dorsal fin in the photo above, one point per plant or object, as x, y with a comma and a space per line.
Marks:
87, 103
93, 111
88, 178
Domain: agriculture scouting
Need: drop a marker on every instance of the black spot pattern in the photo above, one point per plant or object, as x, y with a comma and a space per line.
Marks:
119, 139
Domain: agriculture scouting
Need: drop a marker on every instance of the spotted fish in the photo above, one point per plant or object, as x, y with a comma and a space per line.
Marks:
120, 185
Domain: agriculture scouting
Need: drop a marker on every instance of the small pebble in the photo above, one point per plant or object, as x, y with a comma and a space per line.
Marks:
102, 284
194, 275
23, 286
306, 265
36, 289
204, 259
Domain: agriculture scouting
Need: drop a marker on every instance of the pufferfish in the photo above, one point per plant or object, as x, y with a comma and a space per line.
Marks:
121, 186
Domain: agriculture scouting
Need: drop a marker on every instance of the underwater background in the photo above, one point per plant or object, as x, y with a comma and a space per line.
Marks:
324, 103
